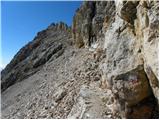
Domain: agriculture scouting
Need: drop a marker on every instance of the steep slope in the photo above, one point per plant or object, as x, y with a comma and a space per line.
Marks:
46, 46
105, 66
67, 87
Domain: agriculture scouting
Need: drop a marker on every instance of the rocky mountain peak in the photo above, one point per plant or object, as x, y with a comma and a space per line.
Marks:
36, 53
58, 26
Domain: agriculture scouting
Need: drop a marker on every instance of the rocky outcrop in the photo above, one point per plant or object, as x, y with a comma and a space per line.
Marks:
127, 47
131, 87
127, 11
46, 46
147, 31
128, 32
88, 22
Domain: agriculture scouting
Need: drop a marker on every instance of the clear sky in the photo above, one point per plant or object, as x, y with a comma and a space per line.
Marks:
22, 20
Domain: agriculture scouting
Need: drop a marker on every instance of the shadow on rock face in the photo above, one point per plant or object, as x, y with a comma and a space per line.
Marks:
147, 108
134, 94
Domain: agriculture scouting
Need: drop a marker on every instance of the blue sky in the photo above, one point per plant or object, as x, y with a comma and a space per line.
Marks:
22, 20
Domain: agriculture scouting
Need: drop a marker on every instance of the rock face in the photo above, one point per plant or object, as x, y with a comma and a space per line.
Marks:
133, 83
130, 44
104, 66
127, 36
88, 22
148, 26
127, 46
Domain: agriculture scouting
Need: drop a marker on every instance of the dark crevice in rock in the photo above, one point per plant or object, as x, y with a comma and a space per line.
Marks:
88, 21
128, 11
153, 80
146, 109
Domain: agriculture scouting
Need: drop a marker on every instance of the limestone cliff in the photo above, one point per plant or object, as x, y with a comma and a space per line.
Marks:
104, 66
129, 37
89, 21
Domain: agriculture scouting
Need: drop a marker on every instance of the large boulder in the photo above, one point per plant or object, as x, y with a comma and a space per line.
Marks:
131, 87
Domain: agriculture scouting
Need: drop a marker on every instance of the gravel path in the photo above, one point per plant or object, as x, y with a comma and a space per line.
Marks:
63, 88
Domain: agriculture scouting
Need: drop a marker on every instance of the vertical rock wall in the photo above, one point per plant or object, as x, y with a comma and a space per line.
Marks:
87, 27
128, 32
132, 41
